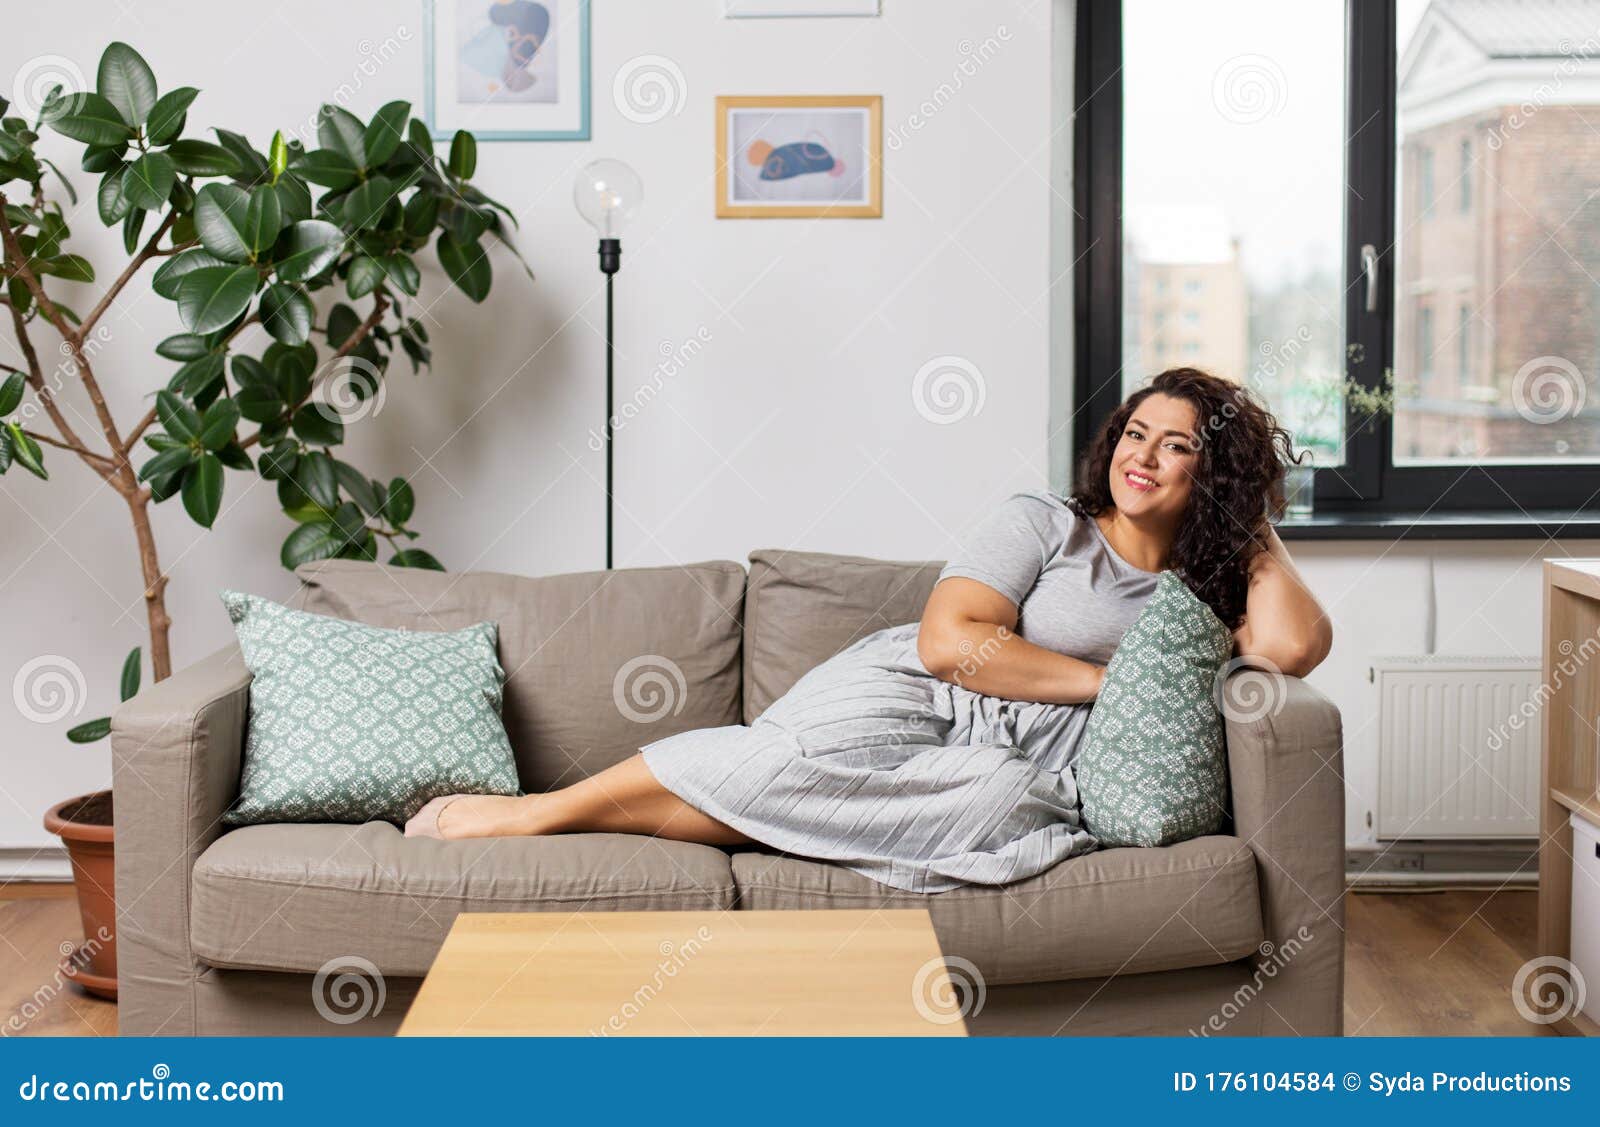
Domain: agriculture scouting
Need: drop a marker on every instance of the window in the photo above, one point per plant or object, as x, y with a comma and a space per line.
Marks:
1483, 323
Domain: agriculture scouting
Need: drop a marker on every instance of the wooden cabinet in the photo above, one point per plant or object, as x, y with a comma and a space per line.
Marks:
1570, 715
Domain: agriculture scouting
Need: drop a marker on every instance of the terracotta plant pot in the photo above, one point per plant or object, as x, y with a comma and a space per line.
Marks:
85, 825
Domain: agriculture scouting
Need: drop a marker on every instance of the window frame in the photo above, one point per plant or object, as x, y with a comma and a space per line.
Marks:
1370, 482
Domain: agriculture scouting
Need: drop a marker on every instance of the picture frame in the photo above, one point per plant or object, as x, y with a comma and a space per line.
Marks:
799, 156
516, 71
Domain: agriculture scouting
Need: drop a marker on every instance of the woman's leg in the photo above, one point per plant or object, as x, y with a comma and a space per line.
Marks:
622, 799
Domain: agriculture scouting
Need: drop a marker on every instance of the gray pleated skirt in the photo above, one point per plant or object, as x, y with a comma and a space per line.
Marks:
871, 762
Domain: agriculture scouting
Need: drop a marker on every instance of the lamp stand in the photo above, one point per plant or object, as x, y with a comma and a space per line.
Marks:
610, 263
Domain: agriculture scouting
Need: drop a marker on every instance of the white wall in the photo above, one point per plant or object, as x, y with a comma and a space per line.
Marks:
794, 427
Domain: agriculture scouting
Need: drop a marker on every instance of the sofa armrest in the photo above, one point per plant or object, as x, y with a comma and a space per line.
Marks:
176, 749
1286, 769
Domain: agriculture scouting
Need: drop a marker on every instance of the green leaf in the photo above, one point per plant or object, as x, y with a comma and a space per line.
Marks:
130, 674
220, 218
202, 490
197, 375
168, 114
466, 224
318, 425
403, 272
11, 392
385, 132
202, 158
263, 219
400, 503
318, 479
356, 484
422, 212
316, 541
250, 372
277, 156
149, 180
258, 403
171, 272
72, 267
178, 419
5, 450
168, 461
165, 486
415, 557
112, 203
294, 198
291, 367
312, 246
181, 346
103, 158
363, 206
327, 168
286, 313
132, 224
340, 130
233, 456
25, 451
342, 321
278, 462
90, 731
216, 429
252, 165
127, 82
212, 296
93, 120
467, 265
463, 155
365, 274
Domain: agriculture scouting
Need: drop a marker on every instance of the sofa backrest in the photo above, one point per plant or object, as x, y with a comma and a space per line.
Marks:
597, 664
801, 608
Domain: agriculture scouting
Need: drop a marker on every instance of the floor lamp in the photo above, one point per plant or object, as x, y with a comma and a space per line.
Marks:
607, 193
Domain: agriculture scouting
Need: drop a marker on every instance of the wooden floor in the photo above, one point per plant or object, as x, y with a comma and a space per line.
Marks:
1417, 963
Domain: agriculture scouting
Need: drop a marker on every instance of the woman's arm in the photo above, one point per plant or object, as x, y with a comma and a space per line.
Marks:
968, 637
1283, 622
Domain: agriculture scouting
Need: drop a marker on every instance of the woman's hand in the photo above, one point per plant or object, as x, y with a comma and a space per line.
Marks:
968, 637
1283, 624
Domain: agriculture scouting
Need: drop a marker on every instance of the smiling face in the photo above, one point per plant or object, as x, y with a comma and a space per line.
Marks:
1156, 459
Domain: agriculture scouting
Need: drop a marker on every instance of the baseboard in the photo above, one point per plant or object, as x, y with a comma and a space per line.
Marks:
1512, 863
34, 863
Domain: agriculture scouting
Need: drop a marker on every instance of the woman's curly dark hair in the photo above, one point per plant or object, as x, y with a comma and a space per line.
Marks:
1238, 486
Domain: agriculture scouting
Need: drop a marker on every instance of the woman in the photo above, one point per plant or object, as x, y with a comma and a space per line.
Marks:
939, 753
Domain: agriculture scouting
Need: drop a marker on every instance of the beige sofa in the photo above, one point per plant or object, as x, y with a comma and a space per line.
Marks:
222, 932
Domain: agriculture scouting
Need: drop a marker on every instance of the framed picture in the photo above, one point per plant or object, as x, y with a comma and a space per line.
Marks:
507, 70
802, 156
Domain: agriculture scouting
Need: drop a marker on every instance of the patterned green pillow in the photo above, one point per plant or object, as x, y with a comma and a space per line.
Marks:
1153, 770
349, 723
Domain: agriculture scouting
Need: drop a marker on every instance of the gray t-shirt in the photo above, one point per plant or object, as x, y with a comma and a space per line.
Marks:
1074, 594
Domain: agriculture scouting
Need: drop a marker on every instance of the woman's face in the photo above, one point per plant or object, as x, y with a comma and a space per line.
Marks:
1156, 459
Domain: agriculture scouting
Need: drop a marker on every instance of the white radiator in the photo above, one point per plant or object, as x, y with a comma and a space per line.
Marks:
1458, 747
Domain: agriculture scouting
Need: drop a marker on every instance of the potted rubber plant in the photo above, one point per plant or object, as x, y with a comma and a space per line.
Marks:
292, 272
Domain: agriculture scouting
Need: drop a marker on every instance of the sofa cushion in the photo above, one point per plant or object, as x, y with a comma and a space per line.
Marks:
801, 608
598, 664
292, 897
1114, 911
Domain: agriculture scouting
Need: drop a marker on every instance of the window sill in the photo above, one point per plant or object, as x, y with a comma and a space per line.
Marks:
1536, 525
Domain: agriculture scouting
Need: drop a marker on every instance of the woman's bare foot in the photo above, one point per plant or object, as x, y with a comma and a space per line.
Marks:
456, 816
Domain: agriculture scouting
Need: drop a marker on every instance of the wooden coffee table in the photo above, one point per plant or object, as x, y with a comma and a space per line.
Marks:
811, 973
